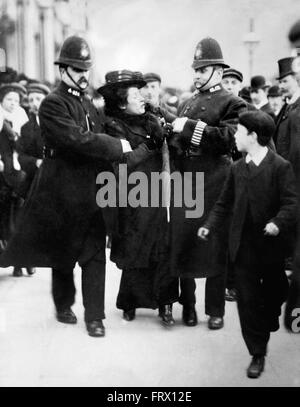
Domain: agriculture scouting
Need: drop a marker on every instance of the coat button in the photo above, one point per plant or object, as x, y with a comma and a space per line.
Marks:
203, 108
209, 97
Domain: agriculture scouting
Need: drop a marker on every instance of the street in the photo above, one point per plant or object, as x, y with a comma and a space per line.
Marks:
38, 351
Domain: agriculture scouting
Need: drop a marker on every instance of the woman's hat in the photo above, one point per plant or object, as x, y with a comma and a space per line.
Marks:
12, 87
36, 87
285, 67
124, 78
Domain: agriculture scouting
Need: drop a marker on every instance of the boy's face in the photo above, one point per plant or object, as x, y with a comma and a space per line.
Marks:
243, 139
232, 85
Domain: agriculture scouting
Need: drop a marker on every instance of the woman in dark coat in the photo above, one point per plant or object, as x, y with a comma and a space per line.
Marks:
140, 244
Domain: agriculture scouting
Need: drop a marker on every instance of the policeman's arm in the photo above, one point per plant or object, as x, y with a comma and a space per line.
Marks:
218, 139
59, 128
137, 155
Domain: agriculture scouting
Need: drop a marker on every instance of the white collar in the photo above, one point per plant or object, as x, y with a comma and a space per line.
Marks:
258, 157
293, 99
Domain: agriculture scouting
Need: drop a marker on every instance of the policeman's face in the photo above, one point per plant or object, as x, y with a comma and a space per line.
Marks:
232, 85
34, 101
11, 101
288, 85
243, 139
79, 76
276, 103
202, 75
135, 102
257, 96
151, 93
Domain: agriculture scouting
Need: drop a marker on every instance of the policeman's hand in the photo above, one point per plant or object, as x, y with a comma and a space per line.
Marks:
38, 162
203, 233
1, 165
271, 229
178, 124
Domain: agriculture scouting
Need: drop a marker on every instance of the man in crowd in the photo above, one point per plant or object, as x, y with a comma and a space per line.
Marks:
275, 100
258, 93
232, 81
288, 122
61, 222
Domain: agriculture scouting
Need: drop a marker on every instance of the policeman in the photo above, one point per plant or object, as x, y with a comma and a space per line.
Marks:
214, 112
61, 222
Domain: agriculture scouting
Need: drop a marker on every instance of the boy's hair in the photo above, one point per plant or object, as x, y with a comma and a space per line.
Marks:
259, 122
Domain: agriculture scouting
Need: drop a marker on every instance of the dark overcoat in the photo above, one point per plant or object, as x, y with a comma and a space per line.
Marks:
61, 211
269, 193
287, 135
30, 146
219, 109
141, 236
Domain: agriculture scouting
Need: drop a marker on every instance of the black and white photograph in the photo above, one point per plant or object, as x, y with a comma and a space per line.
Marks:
149, 196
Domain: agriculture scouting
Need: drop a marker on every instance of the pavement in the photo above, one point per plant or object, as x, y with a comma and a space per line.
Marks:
38, 351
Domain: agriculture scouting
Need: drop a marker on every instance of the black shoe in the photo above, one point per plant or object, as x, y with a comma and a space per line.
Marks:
189, 315
215, 322
95, 328
30, 270
256, 367
230, 294
165, 312
17, 272
66, 316
129, 315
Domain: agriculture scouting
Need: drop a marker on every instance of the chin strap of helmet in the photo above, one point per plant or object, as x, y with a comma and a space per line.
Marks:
213, 71
75, 83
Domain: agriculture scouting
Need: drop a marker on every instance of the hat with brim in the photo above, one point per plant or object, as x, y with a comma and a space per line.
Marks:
12, 87
274, 92
258, 82
208, 62
38, 88
74, 63
285, 66
152, 77
231, 72
122, 79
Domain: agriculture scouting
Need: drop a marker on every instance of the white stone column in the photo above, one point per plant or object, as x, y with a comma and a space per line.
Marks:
47, 41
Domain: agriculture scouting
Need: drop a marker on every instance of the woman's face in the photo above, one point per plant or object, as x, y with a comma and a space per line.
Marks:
135, 102
10, 101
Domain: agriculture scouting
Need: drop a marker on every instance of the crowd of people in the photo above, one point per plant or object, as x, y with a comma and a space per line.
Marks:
55, 143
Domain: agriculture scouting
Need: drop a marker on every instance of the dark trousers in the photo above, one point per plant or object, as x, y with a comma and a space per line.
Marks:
261, 290
93, 288
214, 294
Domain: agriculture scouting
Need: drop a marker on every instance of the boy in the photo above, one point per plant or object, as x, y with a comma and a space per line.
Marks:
260, 194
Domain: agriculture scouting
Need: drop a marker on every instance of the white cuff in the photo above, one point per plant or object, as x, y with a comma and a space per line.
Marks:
126, 147
198, 133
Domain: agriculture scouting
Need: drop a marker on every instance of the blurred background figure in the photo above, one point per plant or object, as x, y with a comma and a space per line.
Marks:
151, 92
232, 81
11, 95
13, 183
258, 94
275, 100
